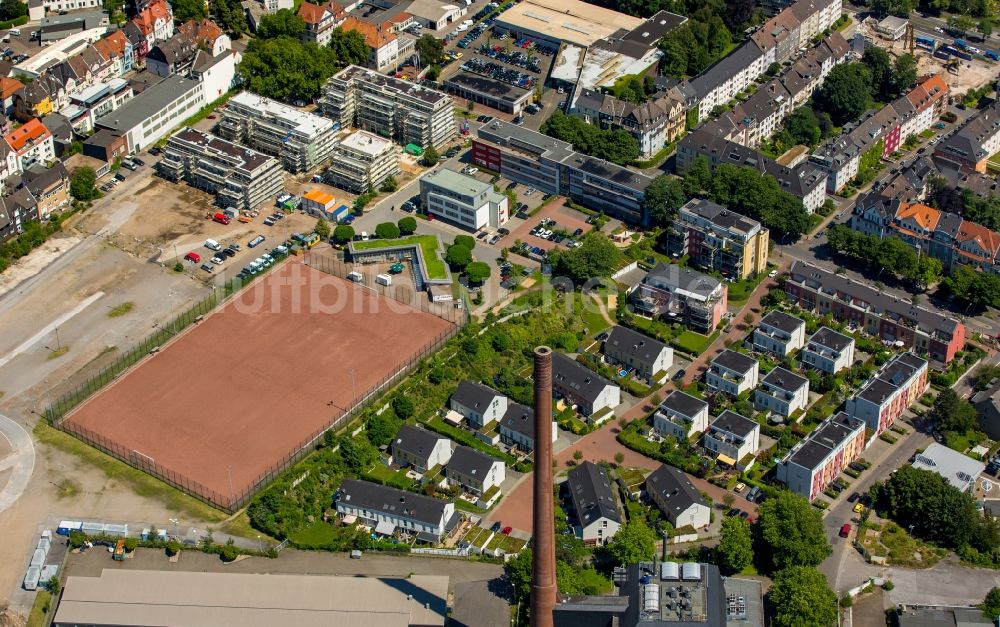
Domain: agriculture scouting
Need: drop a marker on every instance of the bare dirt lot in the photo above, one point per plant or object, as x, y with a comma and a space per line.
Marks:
253, 382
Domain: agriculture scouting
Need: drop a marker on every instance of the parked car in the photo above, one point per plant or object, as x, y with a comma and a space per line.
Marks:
193, 257
845, 530
255, 242
507, 531
207, 268
679, 375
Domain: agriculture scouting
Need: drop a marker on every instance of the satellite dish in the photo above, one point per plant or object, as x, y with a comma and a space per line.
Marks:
987, 485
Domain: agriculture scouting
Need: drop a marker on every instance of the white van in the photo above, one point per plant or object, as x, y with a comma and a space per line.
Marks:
384, 279
357, 277
211, 244
364, 236
15, 32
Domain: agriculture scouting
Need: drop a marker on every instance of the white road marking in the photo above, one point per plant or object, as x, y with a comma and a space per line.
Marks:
50, 327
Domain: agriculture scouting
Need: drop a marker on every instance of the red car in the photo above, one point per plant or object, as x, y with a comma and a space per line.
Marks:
506, 531
845, 531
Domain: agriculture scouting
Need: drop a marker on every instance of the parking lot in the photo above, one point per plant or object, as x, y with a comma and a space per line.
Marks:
559, 220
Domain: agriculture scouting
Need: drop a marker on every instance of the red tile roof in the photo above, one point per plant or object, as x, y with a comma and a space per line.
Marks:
203, 31
986, 239
925, 217
374, 37
312, 13
8, 86
146, 19
33, 131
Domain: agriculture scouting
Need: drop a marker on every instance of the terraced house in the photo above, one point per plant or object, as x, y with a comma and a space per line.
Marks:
828, 351
971, 146
782, 392
387, 509
594, 396
809, 467
896, 386
874, 312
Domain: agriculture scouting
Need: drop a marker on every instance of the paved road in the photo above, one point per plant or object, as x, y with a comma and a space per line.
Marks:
21, 460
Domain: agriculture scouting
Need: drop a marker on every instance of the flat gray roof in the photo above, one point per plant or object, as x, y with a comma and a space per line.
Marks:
150, 101
195, 599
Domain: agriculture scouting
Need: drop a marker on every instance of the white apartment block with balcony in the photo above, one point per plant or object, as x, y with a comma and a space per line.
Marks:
362, 160
782, 392
732, 373
780, 334
301, 140
732, 437
680, 416
828, 351
463, 200
409, 113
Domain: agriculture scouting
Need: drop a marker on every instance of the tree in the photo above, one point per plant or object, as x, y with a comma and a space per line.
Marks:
619, 458
186, 10
477, 272
322, 228
433, 72
634, 542
83, 184
879, 65
991, 604
358, 454
986, 28
382, 428
389, 185
349, 47
229, 15
698, 177
53, 585
735, 550
951, 412
387, 230
962, 23
664, 197
596, 257
578, 455
465, 240
283, 23
904, 72
458, 256
430, 49
802, 598
173, 547
803, 127
518, 572
229, 552
792, 531
12, 9
430, 157
616, 146
343, 233
407, 225
978, 289
131, 543
402, 406
846, 92
287, 69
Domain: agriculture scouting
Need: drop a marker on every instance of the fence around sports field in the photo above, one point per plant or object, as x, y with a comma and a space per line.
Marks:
62, 407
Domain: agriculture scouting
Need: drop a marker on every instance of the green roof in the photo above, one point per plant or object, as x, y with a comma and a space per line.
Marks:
429, 245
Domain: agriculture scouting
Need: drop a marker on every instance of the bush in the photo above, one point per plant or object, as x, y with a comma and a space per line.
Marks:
173, 547
888, 585
228, 553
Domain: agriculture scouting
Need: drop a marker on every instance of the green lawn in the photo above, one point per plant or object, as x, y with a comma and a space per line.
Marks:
694, 343
395, 478
317, 534
40, 610
927, 133
428, 244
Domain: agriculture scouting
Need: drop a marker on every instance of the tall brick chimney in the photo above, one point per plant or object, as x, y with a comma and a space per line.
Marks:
543, 567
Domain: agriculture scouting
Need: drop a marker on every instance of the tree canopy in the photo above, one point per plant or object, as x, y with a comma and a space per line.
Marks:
664, 196
694, 46
477, 271
846, 92
634, 542
458, 256
349, 46
407, 225
387, 230
978, 289
802, 598
83, 184
596, 256
792, 531
430, 49
186, 10
735, 549
633, 88
991, 604
229, 15
951, 412
615, 146
343, 233
745, 190
12, 9
889, 254
283, 23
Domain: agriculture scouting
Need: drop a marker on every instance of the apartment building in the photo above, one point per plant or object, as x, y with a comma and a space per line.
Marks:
320, 22
155, 22
479, 404
16, 211
716, 238
970, 147
553, 167
680, 416
239, 177
875, 312
733, 439
782, 392
594, 396
48, 187
410, 113
463, 200
654, 123
386, 509
896, 386
696, 300
635, 351
804, 181
828, 351
732, 373
362, 161
594, 504
31, 145
674, 494
301, 140
779, 333
809, 467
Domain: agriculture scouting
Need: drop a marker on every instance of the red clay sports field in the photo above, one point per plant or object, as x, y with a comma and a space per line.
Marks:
250, 384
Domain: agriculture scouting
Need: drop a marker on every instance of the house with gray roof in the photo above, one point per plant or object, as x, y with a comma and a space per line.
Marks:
633, 350
480, 404
828, 351
680, 416
968, 148
474, 471
420, 449
672, 491
782, 392
779, 333
594, 505
733, 439
987, 404
386, 509
732, 373
594, 396
517, 427
960, 470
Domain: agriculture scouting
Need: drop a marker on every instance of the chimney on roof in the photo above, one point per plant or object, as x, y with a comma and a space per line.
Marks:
543, 567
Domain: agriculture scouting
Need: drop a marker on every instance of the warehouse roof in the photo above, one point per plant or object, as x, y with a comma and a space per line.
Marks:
571, 21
